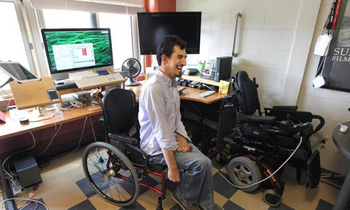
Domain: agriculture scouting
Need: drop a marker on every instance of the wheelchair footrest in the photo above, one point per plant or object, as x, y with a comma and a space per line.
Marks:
314, 170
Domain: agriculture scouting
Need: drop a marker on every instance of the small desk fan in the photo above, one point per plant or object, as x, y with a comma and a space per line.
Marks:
133, 68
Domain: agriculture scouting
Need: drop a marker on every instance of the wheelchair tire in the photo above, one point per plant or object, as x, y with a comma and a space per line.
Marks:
271, 198
110, 173
244, 172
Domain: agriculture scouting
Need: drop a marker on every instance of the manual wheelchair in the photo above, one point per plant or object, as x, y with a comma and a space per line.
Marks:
259, 146
115, 168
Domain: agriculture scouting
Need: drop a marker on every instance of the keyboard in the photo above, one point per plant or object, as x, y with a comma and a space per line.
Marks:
98, 80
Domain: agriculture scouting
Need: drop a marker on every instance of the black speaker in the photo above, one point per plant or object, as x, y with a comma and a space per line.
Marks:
27, 171
223, 68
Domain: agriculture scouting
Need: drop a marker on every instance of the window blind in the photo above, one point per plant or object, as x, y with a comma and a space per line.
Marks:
130, 7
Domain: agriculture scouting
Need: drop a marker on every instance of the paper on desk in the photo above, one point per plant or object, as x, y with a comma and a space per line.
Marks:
81, 74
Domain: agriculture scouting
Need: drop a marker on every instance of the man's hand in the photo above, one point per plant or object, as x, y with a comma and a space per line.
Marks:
173, 175
184, 149
183, 145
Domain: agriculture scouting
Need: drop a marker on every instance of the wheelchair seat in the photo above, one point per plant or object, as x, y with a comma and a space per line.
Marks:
115, 168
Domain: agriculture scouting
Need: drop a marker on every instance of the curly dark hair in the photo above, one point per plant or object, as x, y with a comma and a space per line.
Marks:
166, 46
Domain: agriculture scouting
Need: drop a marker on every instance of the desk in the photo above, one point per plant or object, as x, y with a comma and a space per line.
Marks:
342, 141
14, 128
189, 94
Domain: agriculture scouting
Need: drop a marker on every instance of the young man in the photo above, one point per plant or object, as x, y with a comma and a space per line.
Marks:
163, 135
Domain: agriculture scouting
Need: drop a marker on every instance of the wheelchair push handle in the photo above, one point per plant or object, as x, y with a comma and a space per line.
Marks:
321, 124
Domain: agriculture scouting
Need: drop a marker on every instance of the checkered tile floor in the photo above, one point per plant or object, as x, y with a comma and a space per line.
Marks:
64, 187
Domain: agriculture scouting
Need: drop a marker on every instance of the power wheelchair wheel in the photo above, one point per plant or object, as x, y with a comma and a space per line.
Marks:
272, 198
243, 172
111, 173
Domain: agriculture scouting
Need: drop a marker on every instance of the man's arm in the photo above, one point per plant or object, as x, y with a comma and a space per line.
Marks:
173, 171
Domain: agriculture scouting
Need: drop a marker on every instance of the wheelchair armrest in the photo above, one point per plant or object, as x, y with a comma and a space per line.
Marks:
291, 108
123, 138
321, 124
252, 118
279, 108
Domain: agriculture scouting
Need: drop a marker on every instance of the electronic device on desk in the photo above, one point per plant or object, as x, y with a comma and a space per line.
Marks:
69, 50
77, 99
194, 84
17, 72
220, 70
180, 90
207, 93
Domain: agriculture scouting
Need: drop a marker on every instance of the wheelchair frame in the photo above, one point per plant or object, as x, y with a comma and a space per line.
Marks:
253, 157
116, 167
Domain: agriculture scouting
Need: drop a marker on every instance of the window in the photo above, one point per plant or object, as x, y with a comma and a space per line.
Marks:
120, 25
67, 19
11, 39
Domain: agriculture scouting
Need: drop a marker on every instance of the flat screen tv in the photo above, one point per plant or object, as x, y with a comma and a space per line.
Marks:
77, 49
153, 27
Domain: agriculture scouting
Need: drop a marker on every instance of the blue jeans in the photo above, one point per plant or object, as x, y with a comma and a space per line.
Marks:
196, 185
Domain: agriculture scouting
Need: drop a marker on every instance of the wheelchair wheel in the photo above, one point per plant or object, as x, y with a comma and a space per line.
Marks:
111, 173
244, 172
271, 198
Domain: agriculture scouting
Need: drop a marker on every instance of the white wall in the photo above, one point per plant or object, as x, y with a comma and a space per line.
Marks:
275, 42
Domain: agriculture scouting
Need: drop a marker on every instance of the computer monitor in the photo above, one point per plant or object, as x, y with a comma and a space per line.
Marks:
70, 50
153, 27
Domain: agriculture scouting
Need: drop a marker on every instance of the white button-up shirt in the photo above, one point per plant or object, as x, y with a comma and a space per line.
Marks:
159, 115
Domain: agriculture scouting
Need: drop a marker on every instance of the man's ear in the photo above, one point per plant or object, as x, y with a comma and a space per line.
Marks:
164, 59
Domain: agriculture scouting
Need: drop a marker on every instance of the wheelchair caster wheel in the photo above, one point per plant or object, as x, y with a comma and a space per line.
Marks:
272, 198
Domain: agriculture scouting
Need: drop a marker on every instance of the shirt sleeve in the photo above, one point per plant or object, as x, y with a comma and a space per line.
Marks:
180, 128
155, 105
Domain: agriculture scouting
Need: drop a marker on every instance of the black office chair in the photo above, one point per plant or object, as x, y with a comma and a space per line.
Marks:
258, 145
115, 167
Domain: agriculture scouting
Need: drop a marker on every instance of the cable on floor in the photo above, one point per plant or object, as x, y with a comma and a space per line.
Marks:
247, 186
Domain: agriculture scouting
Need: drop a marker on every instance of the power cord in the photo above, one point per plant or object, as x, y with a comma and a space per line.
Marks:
59, 128
25, 199
93, 130
3, 163
247, 186
81, 137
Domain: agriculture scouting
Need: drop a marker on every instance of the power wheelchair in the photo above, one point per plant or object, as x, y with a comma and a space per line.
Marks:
115, 168
259, 146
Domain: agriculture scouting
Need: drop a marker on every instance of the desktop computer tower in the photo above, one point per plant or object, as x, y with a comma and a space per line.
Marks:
223, 68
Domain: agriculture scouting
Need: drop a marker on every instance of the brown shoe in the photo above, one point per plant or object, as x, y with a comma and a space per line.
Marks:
184, 204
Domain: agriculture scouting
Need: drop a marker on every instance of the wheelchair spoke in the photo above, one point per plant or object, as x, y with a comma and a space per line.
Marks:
110, 173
